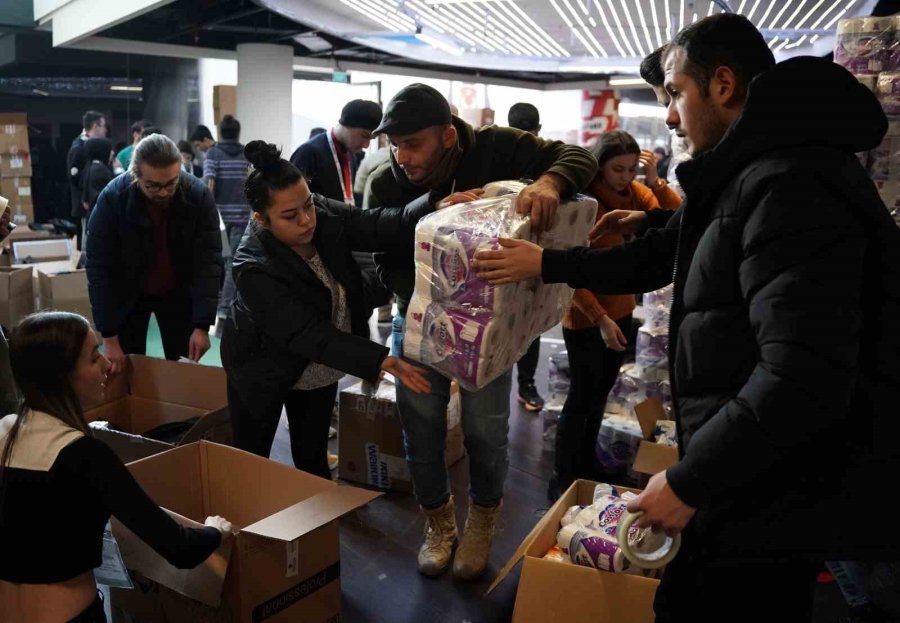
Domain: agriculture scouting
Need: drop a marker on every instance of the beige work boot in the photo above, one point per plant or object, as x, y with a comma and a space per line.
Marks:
472, 555
440, 538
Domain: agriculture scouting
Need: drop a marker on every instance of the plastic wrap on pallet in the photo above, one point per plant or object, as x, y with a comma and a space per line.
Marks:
866, 45
558, 381
884, 160
459, 324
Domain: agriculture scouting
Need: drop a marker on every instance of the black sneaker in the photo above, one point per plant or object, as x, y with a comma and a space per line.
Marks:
529, 397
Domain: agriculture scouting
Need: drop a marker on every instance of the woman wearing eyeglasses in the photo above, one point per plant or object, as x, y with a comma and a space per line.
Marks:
154, 248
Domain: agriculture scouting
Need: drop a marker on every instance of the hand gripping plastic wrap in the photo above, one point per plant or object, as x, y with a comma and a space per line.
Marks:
459, 324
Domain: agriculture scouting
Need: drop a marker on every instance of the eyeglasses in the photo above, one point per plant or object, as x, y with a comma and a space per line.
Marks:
154, 187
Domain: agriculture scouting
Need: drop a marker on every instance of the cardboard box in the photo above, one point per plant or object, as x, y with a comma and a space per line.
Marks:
224, 101
15, 187
16, 295
15, 165
370, 438
553, 592
13, 133
152, 392
652, 457
63, 286
283, 564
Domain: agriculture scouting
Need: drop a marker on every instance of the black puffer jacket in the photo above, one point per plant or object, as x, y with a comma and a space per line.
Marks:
785, 342
282, 310
119, 250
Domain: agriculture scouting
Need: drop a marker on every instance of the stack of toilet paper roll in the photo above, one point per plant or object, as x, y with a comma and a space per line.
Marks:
459, 324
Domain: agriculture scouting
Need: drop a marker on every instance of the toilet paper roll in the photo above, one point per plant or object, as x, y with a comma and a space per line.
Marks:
884, 160
888, 92
865, 45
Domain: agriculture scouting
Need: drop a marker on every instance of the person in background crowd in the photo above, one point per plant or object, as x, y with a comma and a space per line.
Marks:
150, 130
595, 325
434, 153
51, 467
525, 117
202, 140
225, 171
154, 248
662, 162
97, 174
137, 129
362, 186
315, 132
9, 396
94, 124
784, 346
298, 322
329, 163
188, 165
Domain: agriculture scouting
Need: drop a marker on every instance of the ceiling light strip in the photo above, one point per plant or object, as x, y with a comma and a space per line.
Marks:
814, 38
772, 41
612, 9
461, 29
571, 26
609, 29
390, 13
473, 26
712, 5
784, 7
830, 24
594, 52
796, 43
656, 24
790, 19
538, 29
466, 34
372, 15
681, 16
782, 46
668, 22
650, 46
637, 40
753, 10
810, 13
765, 16
741, 8
822, 17
395, 8
501, 10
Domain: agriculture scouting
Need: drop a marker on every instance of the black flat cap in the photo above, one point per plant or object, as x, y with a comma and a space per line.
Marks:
415, 108
361, 114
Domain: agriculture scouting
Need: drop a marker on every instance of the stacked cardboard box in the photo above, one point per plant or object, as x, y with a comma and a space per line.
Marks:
59, 283
15, 166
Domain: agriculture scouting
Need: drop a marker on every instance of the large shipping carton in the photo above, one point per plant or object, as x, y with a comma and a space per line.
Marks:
652, 457
283, 564
224, 101
16, 295
554, 592
15, 165
13, 133
154, 392
60, 284
370, 437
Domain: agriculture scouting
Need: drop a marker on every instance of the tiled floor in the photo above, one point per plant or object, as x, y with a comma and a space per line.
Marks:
379, 542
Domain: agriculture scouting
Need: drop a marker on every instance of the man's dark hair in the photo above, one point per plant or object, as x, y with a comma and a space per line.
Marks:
652, 67
90, 119
150, 130
524, 116
230, 128
316, 131
138, 126
185, 147
201, 133
722, 40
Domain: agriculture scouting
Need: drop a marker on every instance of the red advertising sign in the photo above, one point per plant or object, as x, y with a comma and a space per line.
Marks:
599, 114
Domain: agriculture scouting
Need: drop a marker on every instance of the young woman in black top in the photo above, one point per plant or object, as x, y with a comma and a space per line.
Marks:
59, 485
299, 321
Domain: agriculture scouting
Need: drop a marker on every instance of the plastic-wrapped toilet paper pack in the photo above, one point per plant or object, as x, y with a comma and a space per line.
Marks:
651, 353
665, 433
464, 327
888, 91
866, 45
884, 160
588, 535
558, 382
618, 441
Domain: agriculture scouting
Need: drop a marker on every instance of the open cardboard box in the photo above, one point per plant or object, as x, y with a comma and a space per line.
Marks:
284, 562
551, 592
152, 392
16, 295
652, 457
370, 437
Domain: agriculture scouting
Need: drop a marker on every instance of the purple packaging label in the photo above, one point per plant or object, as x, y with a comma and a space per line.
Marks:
456, 339
593, 551
453, 251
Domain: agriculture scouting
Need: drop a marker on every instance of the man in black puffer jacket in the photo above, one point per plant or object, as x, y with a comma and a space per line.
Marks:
784, 344
154, 247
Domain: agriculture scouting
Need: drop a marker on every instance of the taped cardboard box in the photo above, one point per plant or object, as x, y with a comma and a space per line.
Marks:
652, 457
224, 101
154, 392
16, 295
13, 133
14, 187
15, 165
551, 592
370, 437
284, 562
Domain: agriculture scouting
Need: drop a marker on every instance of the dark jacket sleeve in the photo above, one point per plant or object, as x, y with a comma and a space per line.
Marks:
76, 161
801, 277
530, 156
92, 460
287, 320
208, 267
642, 265
97, 177
102, 250
381, 229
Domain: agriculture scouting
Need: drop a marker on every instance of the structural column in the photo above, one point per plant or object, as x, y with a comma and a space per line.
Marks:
265, 75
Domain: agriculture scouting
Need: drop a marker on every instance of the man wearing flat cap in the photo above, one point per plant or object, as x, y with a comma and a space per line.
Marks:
329, 160
435, 152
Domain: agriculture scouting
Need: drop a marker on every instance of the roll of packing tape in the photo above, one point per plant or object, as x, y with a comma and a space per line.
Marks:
653, 560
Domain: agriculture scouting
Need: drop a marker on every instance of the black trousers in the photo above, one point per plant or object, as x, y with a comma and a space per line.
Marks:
593, 369
695, 589
173, 314
527, 365
255, 423
92, 614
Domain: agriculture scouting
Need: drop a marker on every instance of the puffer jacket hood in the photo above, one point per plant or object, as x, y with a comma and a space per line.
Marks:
232, 149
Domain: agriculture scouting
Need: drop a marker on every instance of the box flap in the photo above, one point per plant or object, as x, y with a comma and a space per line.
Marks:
202, 583
33, 251
129, 447
554, 592
648, 413
187, 384
214, 426
312, 513
653, 458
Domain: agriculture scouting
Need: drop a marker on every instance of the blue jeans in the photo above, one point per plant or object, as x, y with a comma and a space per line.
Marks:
234, 234
485, 420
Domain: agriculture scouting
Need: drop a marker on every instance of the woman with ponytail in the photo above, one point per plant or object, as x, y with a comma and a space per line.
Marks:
299, 321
